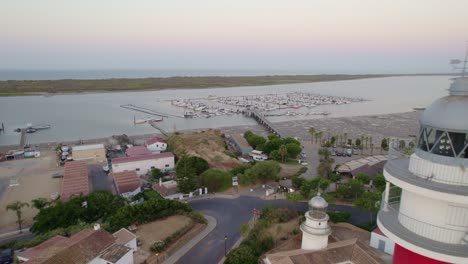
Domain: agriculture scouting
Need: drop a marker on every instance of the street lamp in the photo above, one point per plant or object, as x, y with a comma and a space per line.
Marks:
225, 245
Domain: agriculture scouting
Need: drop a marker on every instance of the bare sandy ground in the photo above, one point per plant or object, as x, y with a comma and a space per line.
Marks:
34, 178
159, 230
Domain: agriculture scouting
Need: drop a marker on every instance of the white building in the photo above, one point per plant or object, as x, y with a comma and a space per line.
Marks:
143, 164
381, 242
315, 229
156, 144
425, 204
126, 238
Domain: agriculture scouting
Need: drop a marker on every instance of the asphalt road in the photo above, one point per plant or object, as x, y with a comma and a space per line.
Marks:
230, 214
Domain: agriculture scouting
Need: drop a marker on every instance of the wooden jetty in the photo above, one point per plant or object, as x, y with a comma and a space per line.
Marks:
264, 122
23, 138
154, 124
148, 111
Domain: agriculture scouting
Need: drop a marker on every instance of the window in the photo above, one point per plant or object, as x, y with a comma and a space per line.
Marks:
152, 167
137, 169
167, 166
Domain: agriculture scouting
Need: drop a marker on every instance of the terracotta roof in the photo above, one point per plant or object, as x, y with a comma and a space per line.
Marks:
79, 248
164, 190
137, 151
146, 157
154, 140
115, 252
378, 231
123, 236
127, 181
41, 248
75, 180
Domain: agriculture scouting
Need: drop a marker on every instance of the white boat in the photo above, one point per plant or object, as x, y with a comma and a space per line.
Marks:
154, 119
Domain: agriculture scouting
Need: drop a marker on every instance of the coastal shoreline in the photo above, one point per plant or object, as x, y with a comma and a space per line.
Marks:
354, 126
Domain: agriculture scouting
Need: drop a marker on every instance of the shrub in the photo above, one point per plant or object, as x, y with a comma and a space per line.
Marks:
337, 217
216, 180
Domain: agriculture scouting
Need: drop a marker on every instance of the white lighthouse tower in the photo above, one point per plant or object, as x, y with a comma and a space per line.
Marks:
425, 204
315, 229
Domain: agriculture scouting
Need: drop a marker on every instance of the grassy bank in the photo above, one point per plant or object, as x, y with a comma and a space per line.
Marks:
13, 88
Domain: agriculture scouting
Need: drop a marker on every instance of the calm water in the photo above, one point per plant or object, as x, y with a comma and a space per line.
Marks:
85, 116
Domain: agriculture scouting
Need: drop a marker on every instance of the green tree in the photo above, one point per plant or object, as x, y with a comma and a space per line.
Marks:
199, 164
293, 150
379, 182
255, 140
335, 178
312, 134
17, 208
294, 197
155, 175
297, 181
39, 203
242, 255
384, 145
283, 151
362, 177
263, 171
272, 145
370, 202
215, 180
357, 142
356, 188
186, 175
401, 144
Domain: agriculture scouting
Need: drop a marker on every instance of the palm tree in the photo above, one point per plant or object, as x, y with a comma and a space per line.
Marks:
16, 207
320, 134
371, 145
39, 203
282, 151
366, 139
312, 133
345, 136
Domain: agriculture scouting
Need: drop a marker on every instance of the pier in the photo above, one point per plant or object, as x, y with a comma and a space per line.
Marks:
154, 124
148, 111
264, 122
23, 138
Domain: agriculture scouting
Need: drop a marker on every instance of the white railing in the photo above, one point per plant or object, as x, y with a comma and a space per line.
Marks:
438, 238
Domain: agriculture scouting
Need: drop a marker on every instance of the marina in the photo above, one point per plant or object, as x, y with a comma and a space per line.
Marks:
98, 115
279, 104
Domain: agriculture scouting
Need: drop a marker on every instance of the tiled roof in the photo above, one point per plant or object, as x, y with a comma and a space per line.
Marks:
123, 236
164, 190
75, 180
137, 151
114, 253
78, 249
146, 157
154, 140
378, 231
43, 247
127, 181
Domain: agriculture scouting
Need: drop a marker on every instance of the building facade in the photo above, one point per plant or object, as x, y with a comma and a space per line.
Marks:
424, 208
143, 164
156, 144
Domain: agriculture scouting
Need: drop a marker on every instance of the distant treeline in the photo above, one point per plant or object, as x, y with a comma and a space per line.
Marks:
73, 86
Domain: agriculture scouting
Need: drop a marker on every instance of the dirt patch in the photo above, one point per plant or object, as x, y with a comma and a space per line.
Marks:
159, 230
288, 170
35, 180
281, 231
208, 145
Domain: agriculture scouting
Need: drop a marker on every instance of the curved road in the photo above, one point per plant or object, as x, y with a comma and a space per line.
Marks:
230, 214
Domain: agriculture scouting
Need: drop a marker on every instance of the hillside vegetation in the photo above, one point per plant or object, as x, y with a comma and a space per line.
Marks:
75, 86
208, 145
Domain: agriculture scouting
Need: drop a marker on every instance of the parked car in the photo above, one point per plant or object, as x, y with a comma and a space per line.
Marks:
349, 152
304, 163
7, 256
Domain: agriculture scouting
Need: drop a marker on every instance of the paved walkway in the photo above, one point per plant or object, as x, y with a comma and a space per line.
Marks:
189, 245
